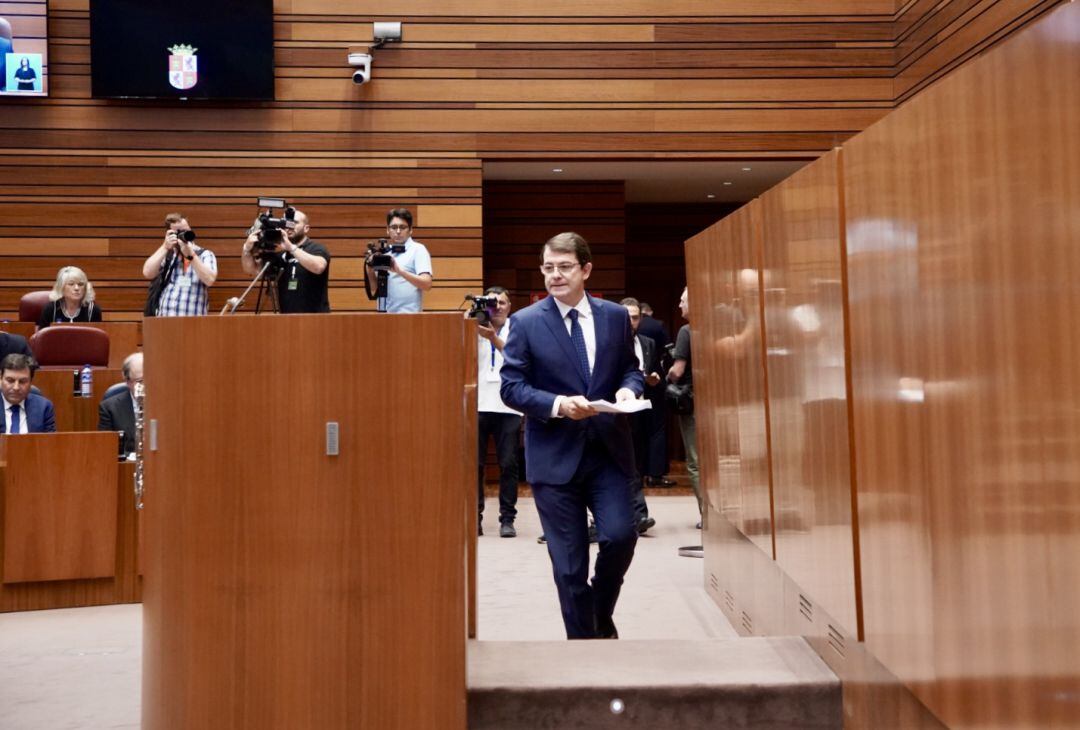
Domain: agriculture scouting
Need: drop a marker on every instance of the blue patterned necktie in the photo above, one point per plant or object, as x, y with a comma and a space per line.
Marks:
578, 338
15, 419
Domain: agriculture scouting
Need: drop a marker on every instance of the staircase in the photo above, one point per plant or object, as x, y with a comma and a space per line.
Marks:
758, 683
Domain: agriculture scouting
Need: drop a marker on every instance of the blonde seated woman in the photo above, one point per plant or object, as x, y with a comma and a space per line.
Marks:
72, 300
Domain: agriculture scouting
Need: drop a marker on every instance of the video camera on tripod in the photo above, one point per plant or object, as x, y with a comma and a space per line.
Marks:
380, 257
272, 230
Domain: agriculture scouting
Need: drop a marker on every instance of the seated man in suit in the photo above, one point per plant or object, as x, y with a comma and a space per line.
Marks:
563, 352
10, 343
117, 412
24, 412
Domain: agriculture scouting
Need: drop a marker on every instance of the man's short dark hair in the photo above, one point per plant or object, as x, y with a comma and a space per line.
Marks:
496, 290
569, 242
630, 302
172, 218
645, 307
402, 213
18, 361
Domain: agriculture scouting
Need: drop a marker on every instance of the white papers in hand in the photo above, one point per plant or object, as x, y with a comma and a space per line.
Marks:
623, 406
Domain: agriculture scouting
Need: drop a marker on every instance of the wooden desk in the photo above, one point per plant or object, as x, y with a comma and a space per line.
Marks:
75, 413
68, 526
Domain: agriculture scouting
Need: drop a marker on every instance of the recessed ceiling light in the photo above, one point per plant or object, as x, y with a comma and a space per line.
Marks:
710, 196
556, 169
746, 169
727, 182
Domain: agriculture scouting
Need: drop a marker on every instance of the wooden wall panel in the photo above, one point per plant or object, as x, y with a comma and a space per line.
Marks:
519, 216
723, 268
935, 37
962, 265
804, 312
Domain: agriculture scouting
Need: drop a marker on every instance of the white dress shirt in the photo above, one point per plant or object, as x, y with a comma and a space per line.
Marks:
7, 416
489, 360
588, 331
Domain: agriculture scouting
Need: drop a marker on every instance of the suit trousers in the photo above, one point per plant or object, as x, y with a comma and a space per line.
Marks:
602, 488
505, 428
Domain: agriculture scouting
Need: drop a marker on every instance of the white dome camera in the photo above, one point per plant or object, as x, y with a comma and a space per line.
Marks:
362, 63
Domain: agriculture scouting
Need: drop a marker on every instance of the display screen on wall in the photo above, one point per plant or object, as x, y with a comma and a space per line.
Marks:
193, 49
24, 47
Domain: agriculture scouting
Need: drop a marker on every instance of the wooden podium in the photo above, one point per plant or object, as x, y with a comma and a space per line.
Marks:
285, 587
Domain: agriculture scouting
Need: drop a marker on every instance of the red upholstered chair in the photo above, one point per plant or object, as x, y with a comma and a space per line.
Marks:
31, 304
60, 345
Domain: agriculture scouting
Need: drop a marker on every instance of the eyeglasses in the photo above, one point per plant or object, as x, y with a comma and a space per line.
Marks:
397, 228
563, 268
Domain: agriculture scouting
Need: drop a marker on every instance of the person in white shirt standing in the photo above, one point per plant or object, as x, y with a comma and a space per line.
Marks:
494, 418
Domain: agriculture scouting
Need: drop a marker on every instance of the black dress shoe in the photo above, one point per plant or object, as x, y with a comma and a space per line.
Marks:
506, 529
605, 628
698, 525
479, 528
644, 524
659, 482
542, 539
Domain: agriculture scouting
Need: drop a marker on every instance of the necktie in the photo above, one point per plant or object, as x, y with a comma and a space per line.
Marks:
578, 338
15, 419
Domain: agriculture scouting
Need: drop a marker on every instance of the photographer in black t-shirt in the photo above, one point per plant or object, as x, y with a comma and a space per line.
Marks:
305, 269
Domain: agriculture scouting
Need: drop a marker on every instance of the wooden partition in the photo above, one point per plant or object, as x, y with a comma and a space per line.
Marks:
933, 510
285, 587
67, 522
73, 412
962, 251
804, 311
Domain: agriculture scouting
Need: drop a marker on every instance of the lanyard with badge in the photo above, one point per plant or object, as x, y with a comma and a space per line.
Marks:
293, 283
492, 375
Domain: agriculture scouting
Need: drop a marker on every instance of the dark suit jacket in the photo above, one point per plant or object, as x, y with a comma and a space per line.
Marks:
652, 365
540, 363
117, 413
655, 329
38, 415
10, 343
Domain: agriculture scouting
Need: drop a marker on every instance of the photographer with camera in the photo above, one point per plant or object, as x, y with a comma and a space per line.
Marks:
187, 272
408, 266
302, 265
494, 418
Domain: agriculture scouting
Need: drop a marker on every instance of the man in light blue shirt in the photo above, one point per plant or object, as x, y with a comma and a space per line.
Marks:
411, 275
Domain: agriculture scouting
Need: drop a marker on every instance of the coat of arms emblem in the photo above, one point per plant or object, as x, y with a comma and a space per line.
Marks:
183, 66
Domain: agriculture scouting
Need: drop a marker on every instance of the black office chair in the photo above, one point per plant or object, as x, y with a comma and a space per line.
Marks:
114, 389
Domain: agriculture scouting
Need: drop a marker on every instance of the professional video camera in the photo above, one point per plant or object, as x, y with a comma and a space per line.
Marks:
272, 231
483, 307
380, 254
380, 257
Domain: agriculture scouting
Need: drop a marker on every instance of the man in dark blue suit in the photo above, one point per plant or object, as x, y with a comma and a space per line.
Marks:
563, 352
24, 412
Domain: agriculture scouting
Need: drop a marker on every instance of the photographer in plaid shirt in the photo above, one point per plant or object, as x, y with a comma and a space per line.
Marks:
187, 288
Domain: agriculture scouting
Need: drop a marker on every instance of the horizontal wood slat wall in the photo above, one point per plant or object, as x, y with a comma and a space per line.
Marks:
90, 180
519, 216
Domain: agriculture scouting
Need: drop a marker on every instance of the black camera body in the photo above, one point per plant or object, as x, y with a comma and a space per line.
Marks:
380, 254
483, 307
272, 231
185, 236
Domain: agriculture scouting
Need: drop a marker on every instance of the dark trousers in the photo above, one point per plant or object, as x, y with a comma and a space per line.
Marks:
505, 429
599, 486
655, 450
640, 426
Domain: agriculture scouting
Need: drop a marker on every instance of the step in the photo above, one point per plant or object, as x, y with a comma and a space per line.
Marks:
759, 683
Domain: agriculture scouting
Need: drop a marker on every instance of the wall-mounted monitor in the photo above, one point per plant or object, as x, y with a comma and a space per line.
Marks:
194, 49
24, 48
